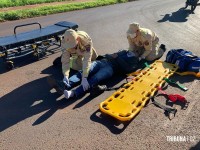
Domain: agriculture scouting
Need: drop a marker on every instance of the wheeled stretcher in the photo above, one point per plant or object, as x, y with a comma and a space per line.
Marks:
35, 42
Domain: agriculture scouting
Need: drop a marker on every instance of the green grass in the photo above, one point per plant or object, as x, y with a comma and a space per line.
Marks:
47, 10
11, 3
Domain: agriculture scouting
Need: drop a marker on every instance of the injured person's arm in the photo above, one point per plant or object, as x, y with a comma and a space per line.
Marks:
127, 62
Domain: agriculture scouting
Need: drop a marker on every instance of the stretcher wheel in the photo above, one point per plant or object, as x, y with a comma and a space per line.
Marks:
9, 65
39, 54
36, 56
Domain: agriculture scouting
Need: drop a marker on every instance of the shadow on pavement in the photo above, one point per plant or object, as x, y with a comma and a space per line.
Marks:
183, 79
178, 16
26, 101
115, 126
58, 105
56, 72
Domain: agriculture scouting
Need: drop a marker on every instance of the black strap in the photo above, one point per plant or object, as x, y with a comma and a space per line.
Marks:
168, 110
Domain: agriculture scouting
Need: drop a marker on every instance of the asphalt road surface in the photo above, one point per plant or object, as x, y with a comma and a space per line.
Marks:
34, 117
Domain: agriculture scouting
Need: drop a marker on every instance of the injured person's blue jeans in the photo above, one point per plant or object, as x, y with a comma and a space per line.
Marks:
99, 71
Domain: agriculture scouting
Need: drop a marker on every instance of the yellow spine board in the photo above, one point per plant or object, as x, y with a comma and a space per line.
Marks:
126, 103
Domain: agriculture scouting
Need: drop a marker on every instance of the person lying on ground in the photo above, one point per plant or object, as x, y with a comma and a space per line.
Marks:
122, 62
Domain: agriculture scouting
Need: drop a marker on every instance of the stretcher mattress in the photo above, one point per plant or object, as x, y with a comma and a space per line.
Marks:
33, 36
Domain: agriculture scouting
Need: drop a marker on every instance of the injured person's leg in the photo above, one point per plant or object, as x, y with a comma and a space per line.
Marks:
96, 90
69, 94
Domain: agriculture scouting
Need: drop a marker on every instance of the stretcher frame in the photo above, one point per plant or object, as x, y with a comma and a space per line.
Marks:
127, 102
34, 43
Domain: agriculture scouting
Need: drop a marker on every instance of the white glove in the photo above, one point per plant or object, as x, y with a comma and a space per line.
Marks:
85, 84
66, 80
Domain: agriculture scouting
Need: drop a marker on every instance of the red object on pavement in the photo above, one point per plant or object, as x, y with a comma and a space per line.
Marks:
173, 97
